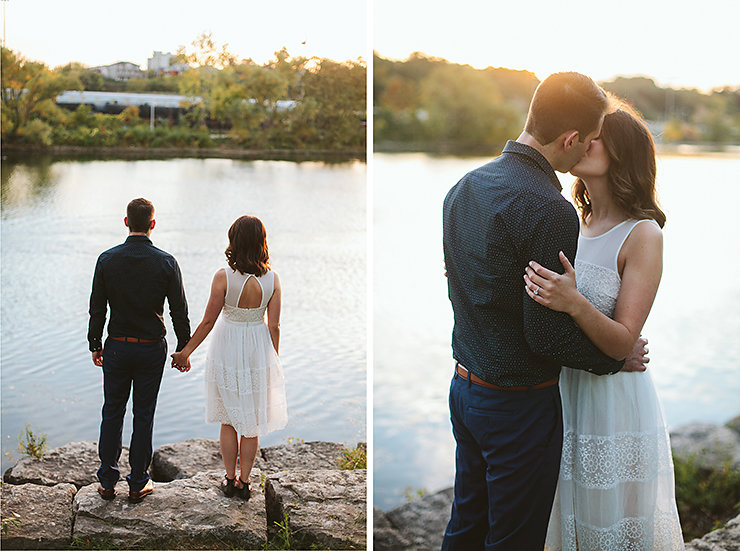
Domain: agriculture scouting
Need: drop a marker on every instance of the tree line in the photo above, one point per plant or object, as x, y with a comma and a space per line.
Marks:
238, 108
428, 103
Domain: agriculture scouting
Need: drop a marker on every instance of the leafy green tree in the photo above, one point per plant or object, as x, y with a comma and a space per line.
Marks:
28, 89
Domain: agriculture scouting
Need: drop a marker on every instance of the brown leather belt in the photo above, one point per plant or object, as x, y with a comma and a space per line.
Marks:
465, 374
133, 339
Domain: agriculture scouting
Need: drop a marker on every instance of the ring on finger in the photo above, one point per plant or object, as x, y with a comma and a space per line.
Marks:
536, 291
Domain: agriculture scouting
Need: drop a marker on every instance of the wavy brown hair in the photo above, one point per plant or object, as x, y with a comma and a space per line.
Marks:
632, 167
247, 251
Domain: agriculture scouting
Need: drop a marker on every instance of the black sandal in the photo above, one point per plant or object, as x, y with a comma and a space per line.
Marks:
227, 486
245, 492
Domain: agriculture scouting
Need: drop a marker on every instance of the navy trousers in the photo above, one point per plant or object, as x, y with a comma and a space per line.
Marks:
124, 365
507, 463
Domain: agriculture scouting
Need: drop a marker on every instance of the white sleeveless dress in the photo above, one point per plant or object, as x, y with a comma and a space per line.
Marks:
244, 380
616, 485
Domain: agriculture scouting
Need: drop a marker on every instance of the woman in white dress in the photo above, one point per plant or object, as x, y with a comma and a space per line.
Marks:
616, 485
245, 390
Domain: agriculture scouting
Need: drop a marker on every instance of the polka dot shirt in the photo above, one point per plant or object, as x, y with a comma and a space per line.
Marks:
495, 220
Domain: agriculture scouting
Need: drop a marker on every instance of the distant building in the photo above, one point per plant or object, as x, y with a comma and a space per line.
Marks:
162, 63
123, 70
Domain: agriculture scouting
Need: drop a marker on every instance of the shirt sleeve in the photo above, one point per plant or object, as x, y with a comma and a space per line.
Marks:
547, 332
98, 309
178, 307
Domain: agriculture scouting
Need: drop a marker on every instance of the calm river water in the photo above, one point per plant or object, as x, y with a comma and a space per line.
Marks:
693, 330
58, 216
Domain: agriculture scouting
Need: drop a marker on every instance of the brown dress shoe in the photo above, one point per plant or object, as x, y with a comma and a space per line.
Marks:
136, 497
107, 494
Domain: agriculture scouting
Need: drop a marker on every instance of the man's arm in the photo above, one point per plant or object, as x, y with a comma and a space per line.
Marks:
98, 311
178, 307
549, 333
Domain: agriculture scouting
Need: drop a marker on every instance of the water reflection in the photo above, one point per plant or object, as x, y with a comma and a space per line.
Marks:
693, 328
57, 216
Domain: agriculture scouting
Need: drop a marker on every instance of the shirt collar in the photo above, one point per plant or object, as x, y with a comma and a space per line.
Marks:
529, 151
138, 239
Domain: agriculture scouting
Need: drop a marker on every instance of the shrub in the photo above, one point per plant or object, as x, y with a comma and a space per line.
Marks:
353, 458
31, 442
706, 498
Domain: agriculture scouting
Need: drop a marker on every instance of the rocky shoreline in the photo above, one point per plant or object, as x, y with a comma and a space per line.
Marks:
299, 486
419, 524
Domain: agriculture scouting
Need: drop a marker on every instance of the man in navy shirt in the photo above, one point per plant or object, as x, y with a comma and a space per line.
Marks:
134, 279
504, 398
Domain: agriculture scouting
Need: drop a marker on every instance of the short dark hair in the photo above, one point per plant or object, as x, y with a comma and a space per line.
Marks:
562, 102
140, 213
247, 251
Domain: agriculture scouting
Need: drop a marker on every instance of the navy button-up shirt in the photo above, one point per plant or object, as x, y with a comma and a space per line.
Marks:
135, 278
496, 219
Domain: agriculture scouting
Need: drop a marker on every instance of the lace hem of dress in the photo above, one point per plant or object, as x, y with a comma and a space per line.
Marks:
659, 532
605, 461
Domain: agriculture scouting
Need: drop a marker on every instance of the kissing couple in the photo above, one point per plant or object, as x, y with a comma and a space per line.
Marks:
245, 388
560, 435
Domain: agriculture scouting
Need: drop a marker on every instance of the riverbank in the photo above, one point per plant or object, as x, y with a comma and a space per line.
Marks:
444, 149
18, 152
301, 498
711, 450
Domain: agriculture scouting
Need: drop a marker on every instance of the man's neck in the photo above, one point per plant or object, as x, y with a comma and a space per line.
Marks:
145, 234
527, 139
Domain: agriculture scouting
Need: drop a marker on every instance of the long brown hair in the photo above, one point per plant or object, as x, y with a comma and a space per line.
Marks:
632, 167
247, 251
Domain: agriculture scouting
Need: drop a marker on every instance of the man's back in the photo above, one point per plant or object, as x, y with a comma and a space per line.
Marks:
135, 277
496, 219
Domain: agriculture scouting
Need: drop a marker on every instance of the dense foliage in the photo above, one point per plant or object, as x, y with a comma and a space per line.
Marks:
243, 104
430, 103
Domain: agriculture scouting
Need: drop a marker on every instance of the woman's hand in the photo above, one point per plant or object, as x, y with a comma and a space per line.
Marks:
557, 292
181, 361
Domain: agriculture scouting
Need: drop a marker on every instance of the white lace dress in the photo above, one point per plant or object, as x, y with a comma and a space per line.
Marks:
616, 487
244, 381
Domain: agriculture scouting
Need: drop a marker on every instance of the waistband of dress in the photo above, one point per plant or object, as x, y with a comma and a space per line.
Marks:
247, 323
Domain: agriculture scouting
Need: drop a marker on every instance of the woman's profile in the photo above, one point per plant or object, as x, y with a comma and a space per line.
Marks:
616, 487
245, 389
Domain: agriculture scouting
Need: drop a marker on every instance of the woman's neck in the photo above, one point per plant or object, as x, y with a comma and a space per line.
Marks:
604, 211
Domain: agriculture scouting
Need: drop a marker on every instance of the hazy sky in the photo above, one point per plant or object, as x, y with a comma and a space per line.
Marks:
678, 42
98, 32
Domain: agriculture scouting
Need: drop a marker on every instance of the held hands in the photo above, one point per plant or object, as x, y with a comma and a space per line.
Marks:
97, 358
555, 291
638, 357
181, 362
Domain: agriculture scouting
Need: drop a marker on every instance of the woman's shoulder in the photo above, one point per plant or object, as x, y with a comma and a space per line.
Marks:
645, 235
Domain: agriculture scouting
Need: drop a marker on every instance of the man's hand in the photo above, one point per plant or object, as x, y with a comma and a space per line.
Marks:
97, 358
181, 362
637, 358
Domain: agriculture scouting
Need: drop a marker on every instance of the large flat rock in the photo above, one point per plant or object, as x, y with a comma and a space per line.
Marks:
44, 515
75, 463
188, 513
423, 521
710, 445
725, 539
188, 458
386, 537
324, 507
302, 456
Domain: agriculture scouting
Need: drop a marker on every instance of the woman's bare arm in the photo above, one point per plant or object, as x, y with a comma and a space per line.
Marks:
641, 263
273, 313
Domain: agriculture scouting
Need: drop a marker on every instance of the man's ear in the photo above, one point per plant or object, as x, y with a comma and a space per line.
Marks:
125, 221
569, 139
154, 222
